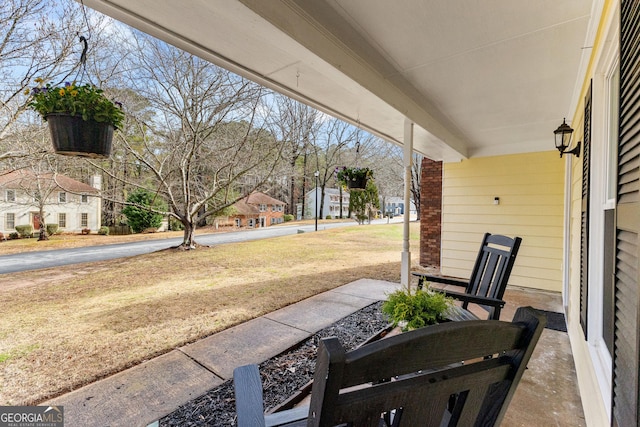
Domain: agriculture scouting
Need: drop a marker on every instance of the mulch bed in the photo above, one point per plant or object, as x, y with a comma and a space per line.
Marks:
282, 376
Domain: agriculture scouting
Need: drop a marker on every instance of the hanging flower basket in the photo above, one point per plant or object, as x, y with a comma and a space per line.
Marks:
354, 178
81, 118
73, 136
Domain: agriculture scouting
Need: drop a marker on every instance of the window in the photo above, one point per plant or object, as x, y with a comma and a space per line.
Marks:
84, 220
62, 197
11, 195
84, 199
10, 221
62, 220
263, 208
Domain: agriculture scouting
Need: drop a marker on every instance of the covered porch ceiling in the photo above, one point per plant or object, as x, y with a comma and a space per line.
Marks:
477, 78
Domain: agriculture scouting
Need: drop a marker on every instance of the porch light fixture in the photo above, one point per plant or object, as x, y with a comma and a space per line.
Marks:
563, 139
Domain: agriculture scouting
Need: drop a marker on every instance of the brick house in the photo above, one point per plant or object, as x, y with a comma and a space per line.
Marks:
71, 204
258, 210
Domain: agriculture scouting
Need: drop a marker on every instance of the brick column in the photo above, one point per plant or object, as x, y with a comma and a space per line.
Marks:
430, 213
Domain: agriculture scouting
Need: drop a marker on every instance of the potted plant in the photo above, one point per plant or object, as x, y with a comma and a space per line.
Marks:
355, 178
412, 310
81, 118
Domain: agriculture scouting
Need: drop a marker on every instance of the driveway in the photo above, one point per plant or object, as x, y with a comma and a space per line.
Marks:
45, 259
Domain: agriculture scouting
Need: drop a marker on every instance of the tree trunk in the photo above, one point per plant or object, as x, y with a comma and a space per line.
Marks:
304, 186
292, 190
43, 233
320, 212
188, 240
43, 227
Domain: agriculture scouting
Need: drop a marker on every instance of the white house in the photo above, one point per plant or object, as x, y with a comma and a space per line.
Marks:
331, 204
71, 204
395, 205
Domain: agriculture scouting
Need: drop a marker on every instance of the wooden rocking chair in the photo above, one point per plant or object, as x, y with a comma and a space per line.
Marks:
488, 279
454, 373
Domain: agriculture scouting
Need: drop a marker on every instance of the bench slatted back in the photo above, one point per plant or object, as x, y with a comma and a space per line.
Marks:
493, 266
430, 386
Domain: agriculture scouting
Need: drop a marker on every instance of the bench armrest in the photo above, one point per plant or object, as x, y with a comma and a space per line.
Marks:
248, 391
249, 404
475, 299
447, 280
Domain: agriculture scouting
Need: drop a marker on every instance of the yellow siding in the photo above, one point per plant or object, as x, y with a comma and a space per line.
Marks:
531, 191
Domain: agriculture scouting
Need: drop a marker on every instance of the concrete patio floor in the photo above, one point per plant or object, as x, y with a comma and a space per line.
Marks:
547, 395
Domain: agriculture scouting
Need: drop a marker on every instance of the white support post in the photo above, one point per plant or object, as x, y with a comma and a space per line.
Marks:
408, 158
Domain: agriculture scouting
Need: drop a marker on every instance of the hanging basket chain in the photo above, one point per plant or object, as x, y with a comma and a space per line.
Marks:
82, 71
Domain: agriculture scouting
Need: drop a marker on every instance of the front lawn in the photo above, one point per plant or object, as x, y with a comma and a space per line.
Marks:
65, 327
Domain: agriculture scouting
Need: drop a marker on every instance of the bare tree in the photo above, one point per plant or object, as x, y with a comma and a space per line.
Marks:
205, 146
416, 177
333, 137
296, 125
122, 171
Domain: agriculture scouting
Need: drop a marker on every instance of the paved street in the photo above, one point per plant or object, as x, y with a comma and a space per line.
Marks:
54, 258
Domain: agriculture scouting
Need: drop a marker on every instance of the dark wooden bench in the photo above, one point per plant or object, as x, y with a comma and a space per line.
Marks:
429, 386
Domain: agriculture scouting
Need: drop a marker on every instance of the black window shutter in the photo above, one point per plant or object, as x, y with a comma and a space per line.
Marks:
584, 217
626, 335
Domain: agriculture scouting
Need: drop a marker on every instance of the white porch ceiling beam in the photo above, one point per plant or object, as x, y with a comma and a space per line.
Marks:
324, 32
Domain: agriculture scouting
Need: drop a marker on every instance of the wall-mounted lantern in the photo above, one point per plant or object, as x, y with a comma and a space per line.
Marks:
563, 139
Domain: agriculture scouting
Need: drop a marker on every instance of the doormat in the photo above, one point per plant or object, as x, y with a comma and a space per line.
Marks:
555, 320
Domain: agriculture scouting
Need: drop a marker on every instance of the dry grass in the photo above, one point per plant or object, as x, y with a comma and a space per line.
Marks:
65, 327
62, 241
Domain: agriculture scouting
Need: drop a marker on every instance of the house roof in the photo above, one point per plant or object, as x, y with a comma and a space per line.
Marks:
22, 178
476, 78
262, 199
243, 208
330, 190
250, 205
